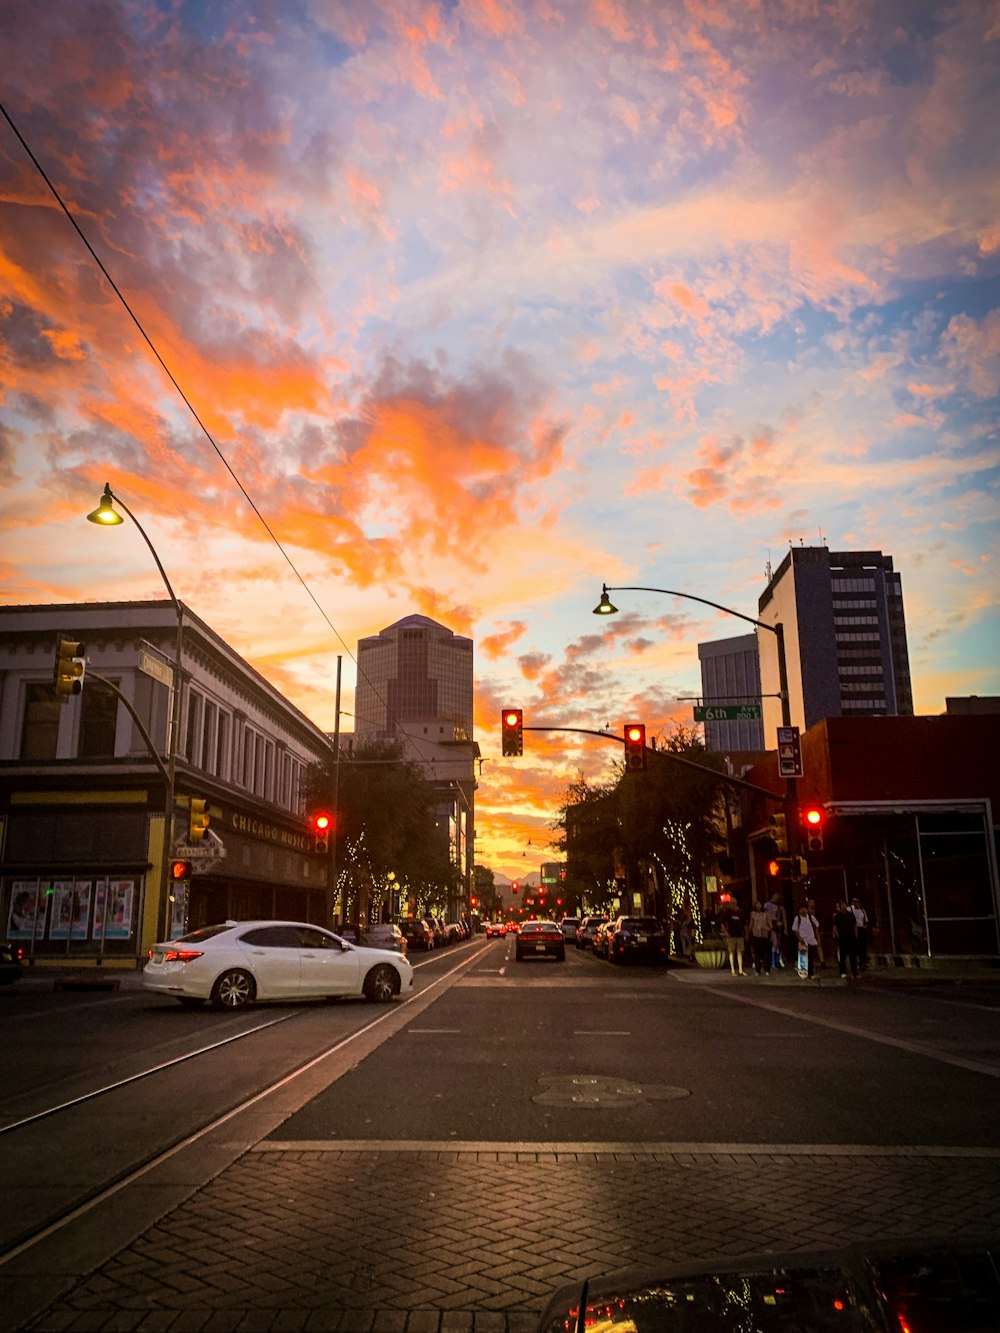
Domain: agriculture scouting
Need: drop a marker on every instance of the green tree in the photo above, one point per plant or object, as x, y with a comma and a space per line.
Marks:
590, 835
490, 898
391, 834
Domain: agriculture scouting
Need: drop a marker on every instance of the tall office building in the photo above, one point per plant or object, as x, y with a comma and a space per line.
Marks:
414, 670
730, 674
845, 637
415, 686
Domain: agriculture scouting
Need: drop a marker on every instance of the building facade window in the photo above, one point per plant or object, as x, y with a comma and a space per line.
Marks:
98, 724
40, 722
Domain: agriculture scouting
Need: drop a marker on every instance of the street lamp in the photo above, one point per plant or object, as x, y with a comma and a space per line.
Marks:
606, 608
105, 515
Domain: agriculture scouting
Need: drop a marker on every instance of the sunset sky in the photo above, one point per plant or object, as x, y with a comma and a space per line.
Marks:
487, 302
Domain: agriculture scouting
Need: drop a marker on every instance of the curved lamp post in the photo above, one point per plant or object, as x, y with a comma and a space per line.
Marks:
605, 608
105, 515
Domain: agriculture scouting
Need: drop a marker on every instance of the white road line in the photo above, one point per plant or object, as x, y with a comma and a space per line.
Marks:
882, 1039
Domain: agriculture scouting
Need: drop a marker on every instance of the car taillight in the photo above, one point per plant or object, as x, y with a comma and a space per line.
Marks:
181, 955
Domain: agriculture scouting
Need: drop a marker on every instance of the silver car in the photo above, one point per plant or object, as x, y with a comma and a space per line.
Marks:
239, 962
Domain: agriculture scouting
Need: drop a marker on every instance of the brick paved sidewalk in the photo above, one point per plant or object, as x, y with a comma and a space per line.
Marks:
470, 1239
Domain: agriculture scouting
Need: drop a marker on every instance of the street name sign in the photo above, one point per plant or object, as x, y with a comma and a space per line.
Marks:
155, 668
727, 712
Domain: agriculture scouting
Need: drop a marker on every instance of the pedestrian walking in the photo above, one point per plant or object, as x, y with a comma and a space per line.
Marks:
733, 929
811, 908
776, 915
684, 932
845, 932
760, 939
805, 928
861, 925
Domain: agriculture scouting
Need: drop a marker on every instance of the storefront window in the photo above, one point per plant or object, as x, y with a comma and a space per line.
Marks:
98, 722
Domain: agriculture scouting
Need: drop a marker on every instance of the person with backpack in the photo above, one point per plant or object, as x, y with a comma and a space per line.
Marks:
805, 928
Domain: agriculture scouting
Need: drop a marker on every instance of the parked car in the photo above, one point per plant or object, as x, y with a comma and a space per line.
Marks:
570, 925
419, 934
11, 955
540, 939
239, 962
600, 938
437, 926
587, 930
637, 939
455, 932
384, 936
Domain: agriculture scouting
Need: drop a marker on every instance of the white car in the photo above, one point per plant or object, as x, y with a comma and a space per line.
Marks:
239, 962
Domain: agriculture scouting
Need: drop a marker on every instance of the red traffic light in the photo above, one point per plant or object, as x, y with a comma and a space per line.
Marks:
635, 746
321, 823
814, 817
512, 731
513, 887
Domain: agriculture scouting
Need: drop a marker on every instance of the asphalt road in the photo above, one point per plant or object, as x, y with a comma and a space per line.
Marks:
514, 1127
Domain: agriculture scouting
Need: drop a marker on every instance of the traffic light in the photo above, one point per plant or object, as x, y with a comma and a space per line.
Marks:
198, 819
513, 887
779, 834
321, 823
814, 817
635, 747
787, 867
70, 668
180, 870
512, 731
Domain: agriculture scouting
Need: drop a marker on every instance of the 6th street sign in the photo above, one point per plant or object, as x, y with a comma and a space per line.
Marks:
727, 713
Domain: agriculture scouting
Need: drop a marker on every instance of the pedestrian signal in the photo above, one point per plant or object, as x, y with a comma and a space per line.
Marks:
180, 870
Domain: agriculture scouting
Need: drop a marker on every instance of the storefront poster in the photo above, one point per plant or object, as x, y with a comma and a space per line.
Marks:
113, 909
70, 910
22, 921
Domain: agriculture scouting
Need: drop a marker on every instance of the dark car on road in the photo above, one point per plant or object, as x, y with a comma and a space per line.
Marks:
637, 939
540, 939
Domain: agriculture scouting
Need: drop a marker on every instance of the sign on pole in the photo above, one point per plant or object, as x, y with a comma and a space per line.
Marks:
727, 712
152, 666
789, 753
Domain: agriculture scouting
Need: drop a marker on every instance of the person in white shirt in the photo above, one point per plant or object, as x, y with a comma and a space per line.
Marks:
861, 918
805, 928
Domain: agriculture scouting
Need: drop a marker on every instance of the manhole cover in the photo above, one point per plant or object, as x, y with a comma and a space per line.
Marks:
603, 1090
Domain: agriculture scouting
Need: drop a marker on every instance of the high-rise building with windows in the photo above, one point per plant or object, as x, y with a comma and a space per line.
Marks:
414, 669
845, 637
415, 686
730, 674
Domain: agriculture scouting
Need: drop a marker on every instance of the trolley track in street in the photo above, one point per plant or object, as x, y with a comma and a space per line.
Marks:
63, 1157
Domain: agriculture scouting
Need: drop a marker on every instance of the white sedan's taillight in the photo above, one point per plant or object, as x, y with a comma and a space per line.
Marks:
181, 955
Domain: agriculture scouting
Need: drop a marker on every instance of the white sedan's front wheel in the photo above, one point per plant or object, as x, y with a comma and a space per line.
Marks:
233, 990
381, 984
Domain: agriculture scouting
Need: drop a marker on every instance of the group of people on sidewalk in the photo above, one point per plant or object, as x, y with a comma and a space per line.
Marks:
757, 944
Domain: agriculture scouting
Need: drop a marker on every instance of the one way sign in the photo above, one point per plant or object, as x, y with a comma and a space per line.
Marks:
789, 753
